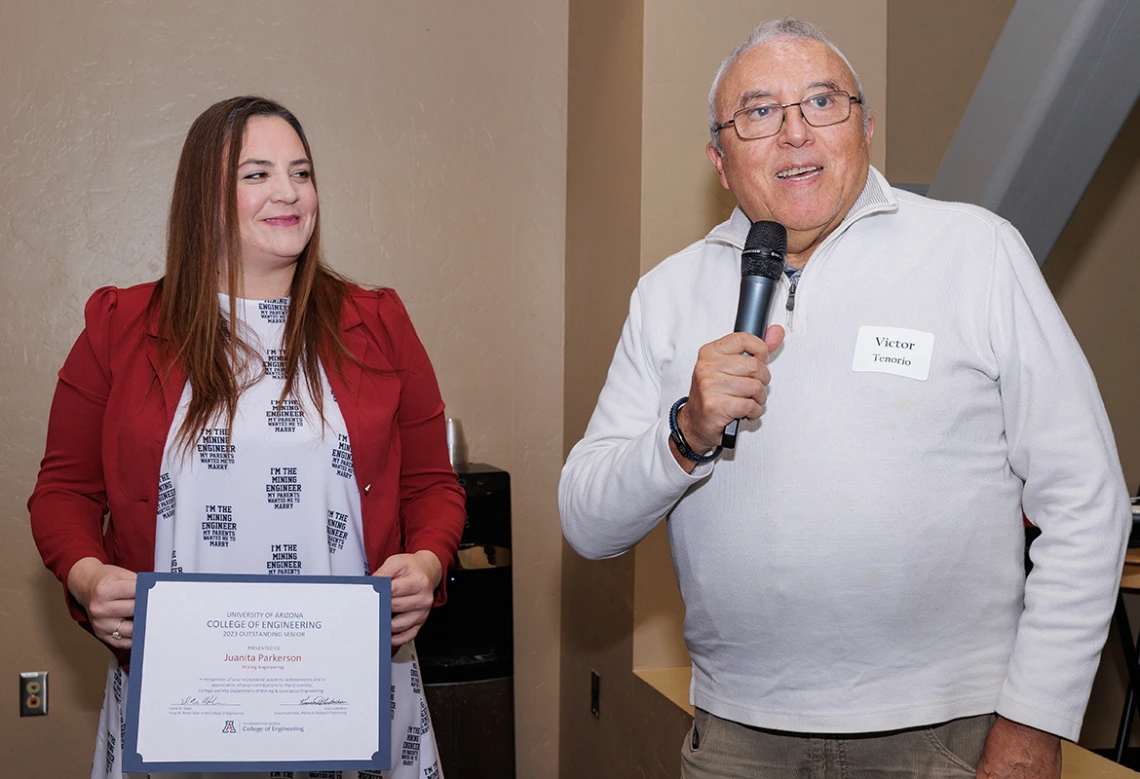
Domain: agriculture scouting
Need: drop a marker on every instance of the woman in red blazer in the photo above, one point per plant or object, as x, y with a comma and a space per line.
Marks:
155, 387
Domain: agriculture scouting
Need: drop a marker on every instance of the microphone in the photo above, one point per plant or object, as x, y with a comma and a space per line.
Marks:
760, 267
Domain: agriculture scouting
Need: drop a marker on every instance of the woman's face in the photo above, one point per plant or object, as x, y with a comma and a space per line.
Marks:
276, 199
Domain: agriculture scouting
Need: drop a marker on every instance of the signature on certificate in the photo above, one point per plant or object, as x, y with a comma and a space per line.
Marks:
321, 700
209, 700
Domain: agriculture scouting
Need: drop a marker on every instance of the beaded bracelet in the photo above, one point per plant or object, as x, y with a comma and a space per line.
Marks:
679, 437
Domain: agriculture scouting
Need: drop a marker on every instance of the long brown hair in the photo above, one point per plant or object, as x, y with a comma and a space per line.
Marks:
202, 240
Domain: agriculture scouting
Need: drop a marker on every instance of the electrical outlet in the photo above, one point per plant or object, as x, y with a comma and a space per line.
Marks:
595, 694
33, 694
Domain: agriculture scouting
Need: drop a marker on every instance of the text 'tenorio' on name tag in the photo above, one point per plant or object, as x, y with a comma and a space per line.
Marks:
894, 350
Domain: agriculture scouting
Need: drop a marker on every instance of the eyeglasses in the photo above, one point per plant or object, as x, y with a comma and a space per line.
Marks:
766, 119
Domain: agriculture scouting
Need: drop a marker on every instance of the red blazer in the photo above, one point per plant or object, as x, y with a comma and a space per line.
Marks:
115, 402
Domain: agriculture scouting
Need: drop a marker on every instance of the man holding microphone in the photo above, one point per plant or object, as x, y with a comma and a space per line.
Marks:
856, 602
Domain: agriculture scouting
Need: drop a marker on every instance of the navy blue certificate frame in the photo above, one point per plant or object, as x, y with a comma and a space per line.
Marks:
380, 760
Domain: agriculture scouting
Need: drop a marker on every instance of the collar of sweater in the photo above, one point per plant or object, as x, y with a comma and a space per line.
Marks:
875, 198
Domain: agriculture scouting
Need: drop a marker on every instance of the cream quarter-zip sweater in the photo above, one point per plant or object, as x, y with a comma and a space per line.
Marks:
856, 563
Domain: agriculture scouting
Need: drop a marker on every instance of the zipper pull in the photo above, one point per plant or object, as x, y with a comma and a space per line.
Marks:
791, 306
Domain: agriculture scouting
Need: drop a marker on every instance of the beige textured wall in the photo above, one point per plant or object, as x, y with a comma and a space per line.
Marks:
935, 55
439, 134
637, 729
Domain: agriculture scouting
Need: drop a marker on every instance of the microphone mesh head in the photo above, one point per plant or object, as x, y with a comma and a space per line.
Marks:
765, 250
769, 266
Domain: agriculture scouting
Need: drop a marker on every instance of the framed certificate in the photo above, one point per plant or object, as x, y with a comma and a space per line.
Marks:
253, 673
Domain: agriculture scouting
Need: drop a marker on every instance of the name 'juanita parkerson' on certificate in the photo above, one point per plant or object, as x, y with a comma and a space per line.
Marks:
260, 672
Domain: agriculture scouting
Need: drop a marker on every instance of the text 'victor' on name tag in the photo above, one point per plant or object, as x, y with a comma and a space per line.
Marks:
894, 350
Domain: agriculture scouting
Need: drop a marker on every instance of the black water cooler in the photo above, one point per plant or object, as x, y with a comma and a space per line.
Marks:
465, 647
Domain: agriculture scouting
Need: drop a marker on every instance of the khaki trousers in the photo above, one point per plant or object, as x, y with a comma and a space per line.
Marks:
720, 749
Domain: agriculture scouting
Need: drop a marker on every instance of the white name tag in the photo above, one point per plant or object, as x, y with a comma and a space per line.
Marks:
894, 350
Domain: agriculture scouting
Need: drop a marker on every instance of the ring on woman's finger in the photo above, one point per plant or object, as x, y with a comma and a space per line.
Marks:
115, 633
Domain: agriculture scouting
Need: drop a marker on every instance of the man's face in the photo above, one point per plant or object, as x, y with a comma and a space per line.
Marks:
804, 177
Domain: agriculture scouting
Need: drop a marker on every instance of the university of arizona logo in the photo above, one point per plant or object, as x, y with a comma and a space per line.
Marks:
229, 728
